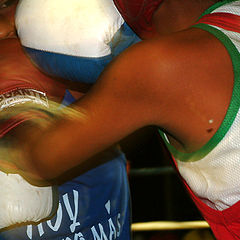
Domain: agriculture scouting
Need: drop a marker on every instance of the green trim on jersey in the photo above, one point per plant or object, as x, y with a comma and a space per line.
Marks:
233, 106
215, 6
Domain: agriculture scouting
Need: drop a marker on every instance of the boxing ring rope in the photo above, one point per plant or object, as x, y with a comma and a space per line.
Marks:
168, 225
163, 225
151, 171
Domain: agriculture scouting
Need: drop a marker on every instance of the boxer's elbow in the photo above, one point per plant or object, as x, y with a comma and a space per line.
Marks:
46, 161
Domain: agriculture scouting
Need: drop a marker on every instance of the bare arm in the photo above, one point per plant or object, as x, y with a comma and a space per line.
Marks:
154, 82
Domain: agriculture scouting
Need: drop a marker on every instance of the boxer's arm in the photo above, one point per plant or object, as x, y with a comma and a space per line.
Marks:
154, 82
99, 120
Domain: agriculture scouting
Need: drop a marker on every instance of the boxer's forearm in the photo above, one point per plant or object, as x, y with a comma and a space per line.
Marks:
65, 143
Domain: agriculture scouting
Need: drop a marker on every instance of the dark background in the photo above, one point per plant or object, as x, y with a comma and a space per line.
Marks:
156, 197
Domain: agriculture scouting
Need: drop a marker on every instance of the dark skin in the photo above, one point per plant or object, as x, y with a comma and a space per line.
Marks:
7, 10
171, 14
180, 80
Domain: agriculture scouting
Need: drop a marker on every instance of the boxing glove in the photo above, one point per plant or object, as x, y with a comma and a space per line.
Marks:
73, 39
138, 14
22, 202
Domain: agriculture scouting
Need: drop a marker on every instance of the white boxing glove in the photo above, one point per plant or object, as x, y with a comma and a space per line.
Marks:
73, 27
73, 39
22, 202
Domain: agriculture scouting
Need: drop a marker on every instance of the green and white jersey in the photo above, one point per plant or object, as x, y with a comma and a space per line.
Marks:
213, 172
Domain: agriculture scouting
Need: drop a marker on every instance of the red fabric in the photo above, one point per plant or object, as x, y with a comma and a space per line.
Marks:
18, 73
227, 21
224, 224
16, 120
138, 15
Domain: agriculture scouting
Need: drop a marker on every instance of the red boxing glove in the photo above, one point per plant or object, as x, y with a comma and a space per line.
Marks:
138, 15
